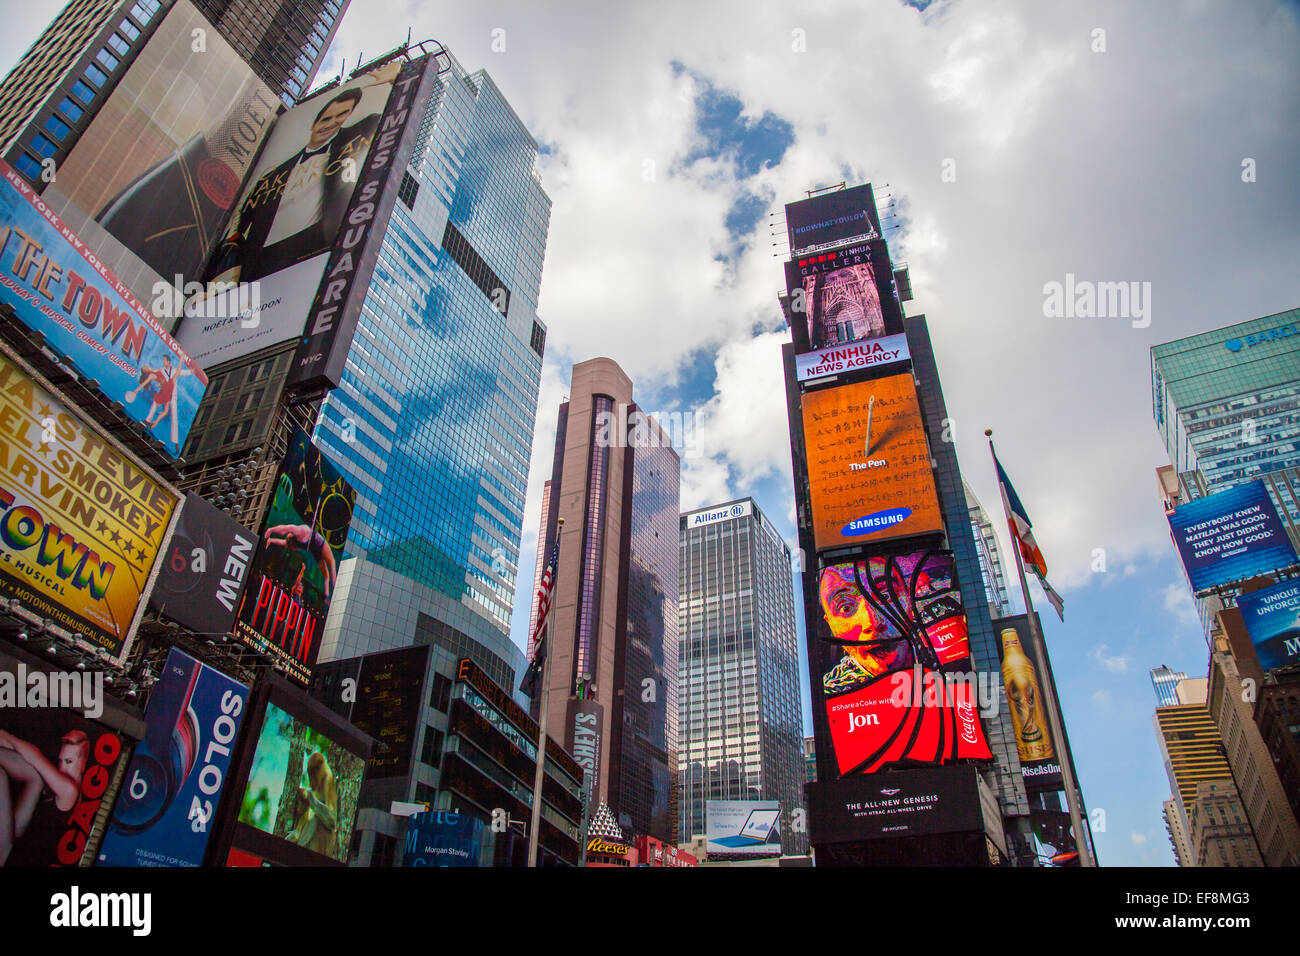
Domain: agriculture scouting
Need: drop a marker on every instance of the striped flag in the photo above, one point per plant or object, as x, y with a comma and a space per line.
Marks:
536, 640
1022, 530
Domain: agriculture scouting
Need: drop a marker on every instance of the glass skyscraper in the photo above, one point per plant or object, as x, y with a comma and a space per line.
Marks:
738, 675
1165, 682
433, 420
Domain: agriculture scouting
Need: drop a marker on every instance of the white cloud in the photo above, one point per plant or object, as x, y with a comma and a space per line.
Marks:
1137, 839
1116, 664
1178, 601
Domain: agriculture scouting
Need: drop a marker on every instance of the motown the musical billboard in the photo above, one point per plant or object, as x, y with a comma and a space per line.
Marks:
82, 523
869, 470
292, 579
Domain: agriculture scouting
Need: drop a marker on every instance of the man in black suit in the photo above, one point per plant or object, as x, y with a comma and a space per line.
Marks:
295, 210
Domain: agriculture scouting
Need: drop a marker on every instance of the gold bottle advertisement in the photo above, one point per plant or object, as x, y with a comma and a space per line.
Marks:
1026, 701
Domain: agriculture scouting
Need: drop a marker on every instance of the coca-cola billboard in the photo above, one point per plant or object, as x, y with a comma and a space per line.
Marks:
892, 651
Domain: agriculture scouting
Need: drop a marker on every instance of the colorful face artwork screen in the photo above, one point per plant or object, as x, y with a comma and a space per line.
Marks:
894, 658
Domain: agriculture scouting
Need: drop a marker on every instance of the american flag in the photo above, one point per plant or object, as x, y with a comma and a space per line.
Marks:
545, 591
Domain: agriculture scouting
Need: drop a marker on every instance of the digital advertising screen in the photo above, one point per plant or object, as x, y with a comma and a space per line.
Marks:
161, 164
302, 788
1054, 838
165, 811
1230, 536
83, 523
901, 803
891, 648
439, 838
841, 297
292, 579
59, 288
389, 695
55, 767
1272, 618
287, 219
1023, 677
205, 568
742, 828
859, 356
831, 219
869, 469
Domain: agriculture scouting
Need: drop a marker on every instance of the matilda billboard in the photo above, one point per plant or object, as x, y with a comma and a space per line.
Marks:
869, 467
81, 523
165, 811
58, 287
893, 655
292, 579
1230, 536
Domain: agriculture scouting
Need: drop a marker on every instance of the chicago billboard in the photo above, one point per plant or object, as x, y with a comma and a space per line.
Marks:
81, 523
159, 168
1230, 536
893, 656
287, 220
832, 219
59, 288
203, 573
1022, 676
164, 813
742, 828
1272, 618
54, 769
336, 308
292, 579
869, 470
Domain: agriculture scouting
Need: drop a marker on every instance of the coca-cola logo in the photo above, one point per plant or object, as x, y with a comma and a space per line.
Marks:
966, 714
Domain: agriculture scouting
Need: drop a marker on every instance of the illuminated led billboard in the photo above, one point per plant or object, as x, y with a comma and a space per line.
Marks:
891, 650
869, 468
1230, 536
832, 219
1272, 618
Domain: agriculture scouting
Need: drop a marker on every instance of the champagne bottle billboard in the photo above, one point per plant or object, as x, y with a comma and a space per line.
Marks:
893, 656
82, 524
292, 578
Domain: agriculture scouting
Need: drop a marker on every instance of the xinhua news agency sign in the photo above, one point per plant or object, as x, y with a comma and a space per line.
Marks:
837, 359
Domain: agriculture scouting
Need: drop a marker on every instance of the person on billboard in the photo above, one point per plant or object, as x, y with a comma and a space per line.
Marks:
293, 537
161, 390
295, 210
25, 775
318, 807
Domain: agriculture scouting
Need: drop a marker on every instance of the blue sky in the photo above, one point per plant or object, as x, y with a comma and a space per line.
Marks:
1104, 140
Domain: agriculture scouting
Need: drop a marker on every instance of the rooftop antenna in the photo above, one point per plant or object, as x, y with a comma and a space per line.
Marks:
408, 37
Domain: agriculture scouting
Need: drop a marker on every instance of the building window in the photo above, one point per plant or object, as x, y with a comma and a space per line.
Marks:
408, 190
70, 109
28, 166
83, 92
440, 695
431, 753
96, 76
107, 60
41, 146
120, 46
538, 340
129, 30
55, 127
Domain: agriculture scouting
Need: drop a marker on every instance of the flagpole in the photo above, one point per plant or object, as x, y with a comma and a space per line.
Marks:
540, 772
1081, 842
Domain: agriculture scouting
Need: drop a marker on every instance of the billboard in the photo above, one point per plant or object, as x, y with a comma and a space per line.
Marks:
832, 219
54, 769
292, 579
59, 288
742, 828
334, 313
301, 789
389, 694
583, 723
1053, 838
914, 802
841, 297
838, 359
81, 524
164, 813
893, 655
203, 573
1272, 618
287, 220
869, 470
1022, 676
1230, 536
160, 165
442, 839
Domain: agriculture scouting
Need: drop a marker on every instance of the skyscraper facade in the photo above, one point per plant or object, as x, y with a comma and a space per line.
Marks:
990, 556
433, 420
1165, 682
613, 643
738, 673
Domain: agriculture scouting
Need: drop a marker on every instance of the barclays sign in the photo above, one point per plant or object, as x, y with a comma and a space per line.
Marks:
1282, 332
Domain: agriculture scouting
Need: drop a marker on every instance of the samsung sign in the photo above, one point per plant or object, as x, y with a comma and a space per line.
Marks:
701, 518
1282, 332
